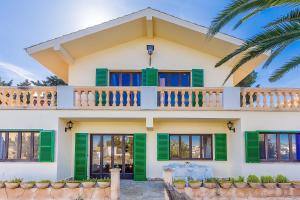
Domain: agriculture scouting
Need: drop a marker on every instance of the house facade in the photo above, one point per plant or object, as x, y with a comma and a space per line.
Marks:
123, 109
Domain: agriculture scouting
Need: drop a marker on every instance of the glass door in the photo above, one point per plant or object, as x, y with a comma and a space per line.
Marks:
111, 150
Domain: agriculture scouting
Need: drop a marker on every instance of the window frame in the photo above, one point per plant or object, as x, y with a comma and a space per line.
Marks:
131, 72
180, 77
190, 146
19, 146
278, 159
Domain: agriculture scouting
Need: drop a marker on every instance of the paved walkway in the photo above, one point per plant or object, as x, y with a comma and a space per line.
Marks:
142, 190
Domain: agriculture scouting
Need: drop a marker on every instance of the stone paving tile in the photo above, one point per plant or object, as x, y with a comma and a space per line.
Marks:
142, 190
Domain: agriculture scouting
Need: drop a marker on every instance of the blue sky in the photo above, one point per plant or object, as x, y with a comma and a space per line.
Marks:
25, 23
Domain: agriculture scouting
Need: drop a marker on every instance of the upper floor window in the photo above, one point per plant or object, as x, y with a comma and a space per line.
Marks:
191, 147
279, 146
19, 146
125, 79
174, 79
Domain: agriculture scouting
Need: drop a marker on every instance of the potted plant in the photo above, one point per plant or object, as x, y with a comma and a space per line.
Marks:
14, 183
58, 184
225, 183
89, 183
27, 184
194, 184
103, 182
179, 183
282, 181
253, 181
296, 184
210, 183
73, 184
268, 182
239, 182
43, 184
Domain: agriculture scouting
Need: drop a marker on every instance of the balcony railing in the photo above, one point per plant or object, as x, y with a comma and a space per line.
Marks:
28, 97
160, 98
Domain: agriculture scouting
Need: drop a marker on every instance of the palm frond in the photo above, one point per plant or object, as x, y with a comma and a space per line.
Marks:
292, 16
274, 54
279, 73
275, 35
245, 18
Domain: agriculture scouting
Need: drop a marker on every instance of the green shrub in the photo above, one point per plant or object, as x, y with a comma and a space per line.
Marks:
16, 180
179, 181
211, 180
253, 179
73, 181
224, 180
61, 181
103, 180
281, 179
29, 182
194, 181
267, 179
44, 181
90, 180
239, 179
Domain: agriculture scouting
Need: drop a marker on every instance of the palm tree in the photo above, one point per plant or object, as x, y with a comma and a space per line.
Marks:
276, 36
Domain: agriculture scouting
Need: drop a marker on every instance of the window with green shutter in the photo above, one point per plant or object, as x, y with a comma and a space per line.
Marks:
150, 77
252, 147
197, 81
220, 146
163, 146
101, 80
46, 146
81, 152
139, 152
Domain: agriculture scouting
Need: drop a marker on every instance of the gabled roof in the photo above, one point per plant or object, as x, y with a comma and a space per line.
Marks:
57, 54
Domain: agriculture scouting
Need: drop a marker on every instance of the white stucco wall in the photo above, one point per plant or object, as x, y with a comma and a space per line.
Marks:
134, 121
133, 56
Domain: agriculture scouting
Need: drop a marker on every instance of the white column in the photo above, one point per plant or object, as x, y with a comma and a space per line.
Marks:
115, 184
168, 176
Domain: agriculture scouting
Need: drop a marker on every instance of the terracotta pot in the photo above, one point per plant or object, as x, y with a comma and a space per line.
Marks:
88, 184
209, 185
255, 185
226, 185
270, 185
195, 185
296, 185
103, 184
284, 185
27, 185
241, 185
57, 185
2, 185
73, 185
42, 185
179, 185
12, 185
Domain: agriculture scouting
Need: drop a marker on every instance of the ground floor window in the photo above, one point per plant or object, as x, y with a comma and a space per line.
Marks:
191, 147
279, 146
19, 145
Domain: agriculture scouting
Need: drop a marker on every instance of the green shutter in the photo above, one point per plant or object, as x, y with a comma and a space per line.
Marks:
197, 81
220, 146
252, 147
150, 77
139, 157
197, 78
46, 146
81, 152
101, 80
163, 148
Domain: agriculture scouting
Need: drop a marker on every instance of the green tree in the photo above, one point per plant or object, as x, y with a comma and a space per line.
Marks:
25, 83
249, 80
5, 83
50, 81
276, 36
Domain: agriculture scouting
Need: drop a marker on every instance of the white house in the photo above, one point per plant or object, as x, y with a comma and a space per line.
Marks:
122, 109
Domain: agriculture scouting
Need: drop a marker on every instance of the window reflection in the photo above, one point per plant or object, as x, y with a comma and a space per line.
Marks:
118, 153
174, 146
26, 140
2, 146
185, 147
206, 147
195, 146
96, 154
36, 143
128, 154
262, 146
12, 146
284, 147
272, 153
106, 153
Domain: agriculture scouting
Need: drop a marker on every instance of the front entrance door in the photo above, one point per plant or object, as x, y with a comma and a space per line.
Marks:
111, 151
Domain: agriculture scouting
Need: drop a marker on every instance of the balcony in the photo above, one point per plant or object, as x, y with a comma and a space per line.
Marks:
149, 98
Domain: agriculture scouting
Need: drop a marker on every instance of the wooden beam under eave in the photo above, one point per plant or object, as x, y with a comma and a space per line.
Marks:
64, 54
149, 26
